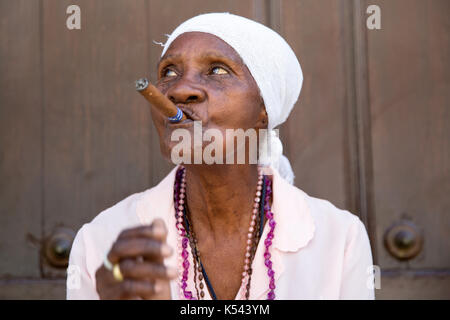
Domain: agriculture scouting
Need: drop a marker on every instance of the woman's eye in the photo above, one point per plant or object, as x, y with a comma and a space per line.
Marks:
166, 73
220, 70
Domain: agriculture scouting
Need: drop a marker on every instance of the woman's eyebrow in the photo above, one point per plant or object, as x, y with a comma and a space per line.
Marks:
169, 56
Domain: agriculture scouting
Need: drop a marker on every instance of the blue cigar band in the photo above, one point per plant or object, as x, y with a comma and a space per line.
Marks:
177, 117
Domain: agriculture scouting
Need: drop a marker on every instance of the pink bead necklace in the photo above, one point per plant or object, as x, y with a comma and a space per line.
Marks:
264, 189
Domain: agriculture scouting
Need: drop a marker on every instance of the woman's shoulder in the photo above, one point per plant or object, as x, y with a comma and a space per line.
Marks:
324, 209
107, 224
122, 212
333, 221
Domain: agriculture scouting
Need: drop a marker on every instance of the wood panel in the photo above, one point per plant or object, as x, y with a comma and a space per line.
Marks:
315, 134
24, 289
409, 76
20, 138
413, 286
97, 128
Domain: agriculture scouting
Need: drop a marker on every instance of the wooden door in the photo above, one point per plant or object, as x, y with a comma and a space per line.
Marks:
369, 132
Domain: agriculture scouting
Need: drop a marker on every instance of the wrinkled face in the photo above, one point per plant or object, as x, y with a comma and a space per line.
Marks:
207, 79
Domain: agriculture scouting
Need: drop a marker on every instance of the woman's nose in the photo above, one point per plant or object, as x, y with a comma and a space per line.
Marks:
185, 92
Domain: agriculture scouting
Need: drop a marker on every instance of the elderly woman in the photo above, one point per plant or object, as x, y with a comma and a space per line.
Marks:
224, 231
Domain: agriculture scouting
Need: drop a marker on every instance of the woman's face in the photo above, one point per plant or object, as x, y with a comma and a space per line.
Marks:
207, 79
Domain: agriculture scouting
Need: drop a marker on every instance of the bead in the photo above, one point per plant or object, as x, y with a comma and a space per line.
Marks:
272, 223
181, 202
271, 295
251, 229
249, 241
182, 196
257, 200
253, 223
259, 188
249, 235
268, 263
258, 193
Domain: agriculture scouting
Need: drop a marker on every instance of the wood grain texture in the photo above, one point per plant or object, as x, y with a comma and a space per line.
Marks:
97, 127
35, 289
412, 286
20, 137
314, 135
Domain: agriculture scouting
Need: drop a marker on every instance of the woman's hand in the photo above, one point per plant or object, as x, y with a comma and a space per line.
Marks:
139, 252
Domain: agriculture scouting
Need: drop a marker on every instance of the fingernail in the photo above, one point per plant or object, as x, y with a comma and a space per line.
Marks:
158, 231
172, 272
158, 287
166, 250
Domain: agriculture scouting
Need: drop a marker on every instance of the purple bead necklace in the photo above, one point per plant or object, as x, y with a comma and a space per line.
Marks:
183, 240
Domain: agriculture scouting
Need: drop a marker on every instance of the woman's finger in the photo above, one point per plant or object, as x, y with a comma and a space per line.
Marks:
134, 247
146, 270
130, 289
157, 230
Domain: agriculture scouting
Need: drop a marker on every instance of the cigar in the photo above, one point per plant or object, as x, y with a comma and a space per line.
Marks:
160, 101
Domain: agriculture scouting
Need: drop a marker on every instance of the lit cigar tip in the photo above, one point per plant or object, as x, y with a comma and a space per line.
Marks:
141, 84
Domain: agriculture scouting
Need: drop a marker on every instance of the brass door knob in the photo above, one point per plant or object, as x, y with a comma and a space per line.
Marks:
403, 240
56, 249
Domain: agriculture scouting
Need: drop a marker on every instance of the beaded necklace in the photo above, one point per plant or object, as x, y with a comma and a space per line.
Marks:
186, 236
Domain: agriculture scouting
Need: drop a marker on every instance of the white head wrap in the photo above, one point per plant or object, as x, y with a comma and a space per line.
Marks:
270, 60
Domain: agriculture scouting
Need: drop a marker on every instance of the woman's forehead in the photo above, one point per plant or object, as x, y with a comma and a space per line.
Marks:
201, 44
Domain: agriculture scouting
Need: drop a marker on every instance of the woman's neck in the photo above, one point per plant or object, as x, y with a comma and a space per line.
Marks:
220, 197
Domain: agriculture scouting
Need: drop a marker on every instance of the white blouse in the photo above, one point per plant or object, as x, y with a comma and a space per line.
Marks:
318, 252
